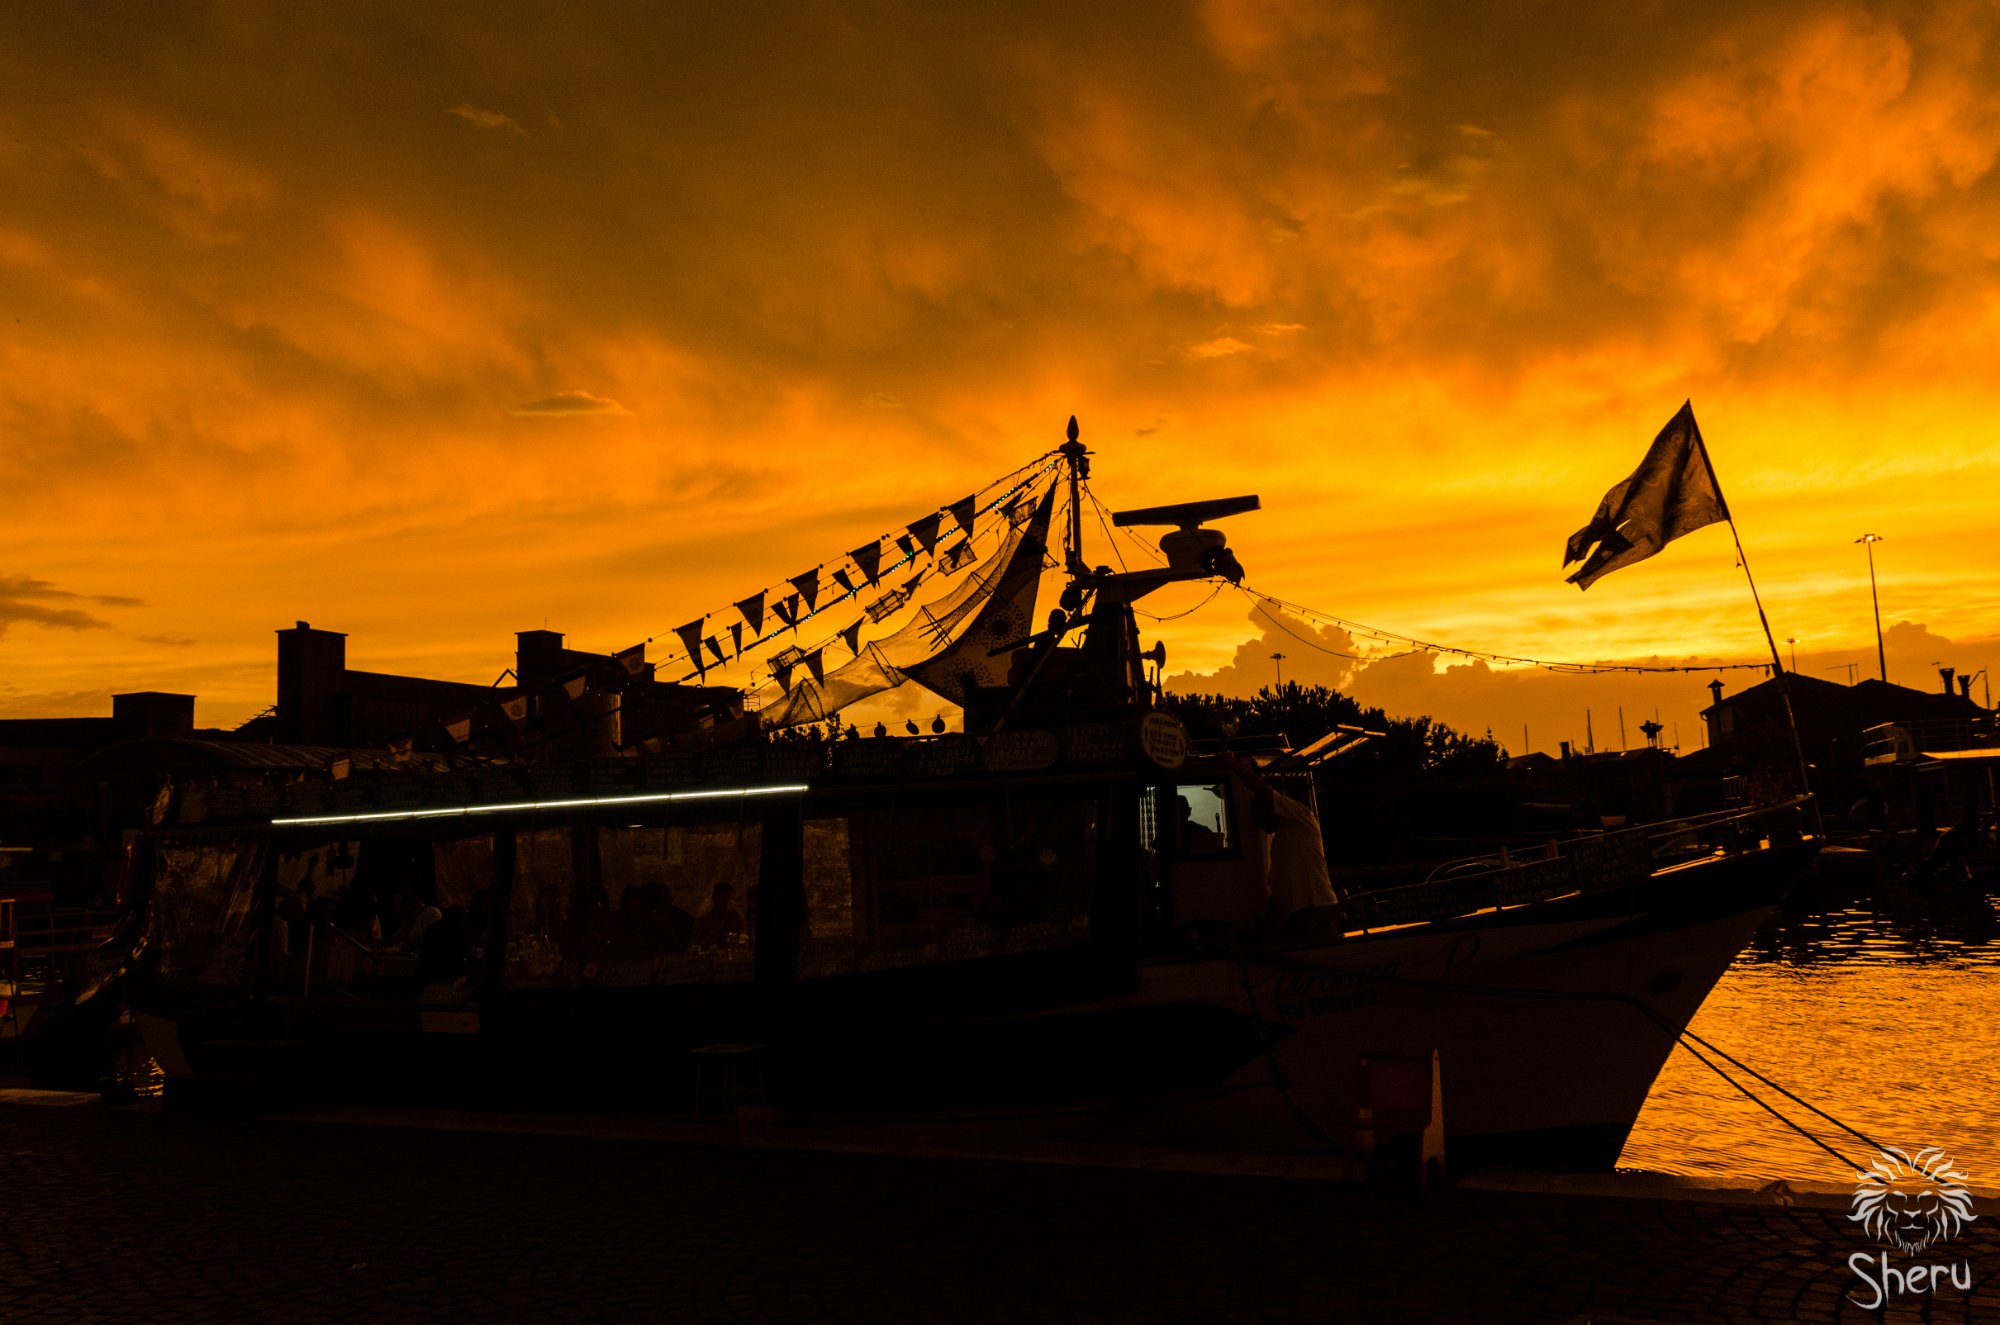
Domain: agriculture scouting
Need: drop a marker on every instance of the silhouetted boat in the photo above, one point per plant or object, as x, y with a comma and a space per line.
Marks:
1060, 915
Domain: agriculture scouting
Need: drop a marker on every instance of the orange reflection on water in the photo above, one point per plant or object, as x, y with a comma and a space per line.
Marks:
1885, 1015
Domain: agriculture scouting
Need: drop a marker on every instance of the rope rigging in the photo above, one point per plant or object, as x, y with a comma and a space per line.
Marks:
1683, 1037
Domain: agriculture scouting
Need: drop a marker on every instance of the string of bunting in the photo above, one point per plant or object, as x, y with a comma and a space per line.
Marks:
1014, 503
798, 598
921, 538
1414, 645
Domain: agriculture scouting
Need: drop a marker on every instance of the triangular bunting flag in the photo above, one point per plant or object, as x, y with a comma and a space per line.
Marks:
715, 648
516, 708
909, 548
460, 729
575, 684
782, 664
925, 531
851, 637
959, 554
808, 587
869, 559
846, 582
691, 638
961, 511
736, 638
813, 665
752, 609
787, 611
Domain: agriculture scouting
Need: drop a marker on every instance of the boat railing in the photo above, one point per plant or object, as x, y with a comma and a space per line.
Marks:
1701, 833
1586, 863
65, 931
33, 934
1904, 742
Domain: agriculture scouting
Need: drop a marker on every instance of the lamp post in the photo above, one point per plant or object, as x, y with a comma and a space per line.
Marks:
1279, 659
1881, 655
1795, 651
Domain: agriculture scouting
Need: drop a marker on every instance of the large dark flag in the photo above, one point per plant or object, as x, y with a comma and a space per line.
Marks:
1672, 492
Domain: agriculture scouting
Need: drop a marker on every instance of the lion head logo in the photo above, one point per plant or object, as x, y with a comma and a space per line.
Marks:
1912, 1201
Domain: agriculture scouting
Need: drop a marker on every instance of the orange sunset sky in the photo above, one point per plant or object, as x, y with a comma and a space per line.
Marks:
431, 323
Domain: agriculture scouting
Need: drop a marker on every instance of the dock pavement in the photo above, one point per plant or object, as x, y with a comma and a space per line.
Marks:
362, 1214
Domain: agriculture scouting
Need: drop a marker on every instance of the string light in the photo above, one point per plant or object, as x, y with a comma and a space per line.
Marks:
536, 807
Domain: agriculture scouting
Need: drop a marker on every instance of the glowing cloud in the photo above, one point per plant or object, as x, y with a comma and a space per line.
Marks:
568, 405
485, 119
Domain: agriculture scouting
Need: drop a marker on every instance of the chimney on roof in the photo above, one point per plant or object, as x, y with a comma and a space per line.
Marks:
1715, 691
154, 713
538, 656
1947, 673
1965, 688
312, 677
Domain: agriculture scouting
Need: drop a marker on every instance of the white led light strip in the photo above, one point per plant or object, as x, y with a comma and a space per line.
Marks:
530, 807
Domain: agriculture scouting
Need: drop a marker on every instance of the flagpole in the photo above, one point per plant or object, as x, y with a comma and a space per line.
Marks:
1778, 672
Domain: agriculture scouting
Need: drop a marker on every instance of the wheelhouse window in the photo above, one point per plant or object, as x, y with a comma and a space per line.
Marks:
1191, 819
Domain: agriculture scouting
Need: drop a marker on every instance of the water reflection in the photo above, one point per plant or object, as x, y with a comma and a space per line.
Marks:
1878, 1002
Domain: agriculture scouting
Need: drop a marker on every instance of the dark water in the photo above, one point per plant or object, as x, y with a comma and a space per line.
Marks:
1882, 1009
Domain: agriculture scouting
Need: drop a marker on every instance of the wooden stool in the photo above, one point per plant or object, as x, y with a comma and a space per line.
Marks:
1400, 1100
728, 1058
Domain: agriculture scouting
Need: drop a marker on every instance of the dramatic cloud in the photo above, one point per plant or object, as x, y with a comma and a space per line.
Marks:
1426, 276
1526, 708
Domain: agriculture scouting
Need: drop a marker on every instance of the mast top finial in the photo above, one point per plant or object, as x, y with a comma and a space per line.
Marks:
1072, 427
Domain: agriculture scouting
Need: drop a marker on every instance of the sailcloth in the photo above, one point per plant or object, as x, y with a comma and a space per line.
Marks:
1007, 615
942, 648
1672, 492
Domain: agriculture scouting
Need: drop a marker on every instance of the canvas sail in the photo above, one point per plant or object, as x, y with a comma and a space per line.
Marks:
944, 648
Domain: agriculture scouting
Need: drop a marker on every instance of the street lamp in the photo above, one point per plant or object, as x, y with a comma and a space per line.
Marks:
1795, 651
1881, 655
1279, 659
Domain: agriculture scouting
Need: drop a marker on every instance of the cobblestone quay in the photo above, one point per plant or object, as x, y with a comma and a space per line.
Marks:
123, 1215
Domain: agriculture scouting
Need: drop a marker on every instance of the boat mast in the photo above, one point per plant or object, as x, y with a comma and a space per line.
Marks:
1079, 470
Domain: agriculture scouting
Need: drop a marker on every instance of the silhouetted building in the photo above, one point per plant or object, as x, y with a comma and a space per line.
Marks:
322, 701
48, 829
563, 703
1603, 790
1749, 734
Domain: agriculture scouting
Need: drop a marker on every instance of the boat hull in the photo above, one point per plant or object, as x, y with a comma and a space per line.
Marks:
1550, 1023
